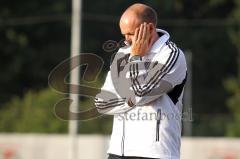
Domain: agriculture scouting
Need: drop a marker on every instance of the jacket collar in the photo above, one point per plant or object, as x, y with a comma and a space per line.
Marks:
160, 42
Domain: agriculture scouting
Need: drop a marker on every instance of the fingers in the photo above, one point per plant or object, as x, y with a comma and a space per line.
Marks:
144, 32
140, 33
141, 42
136, 36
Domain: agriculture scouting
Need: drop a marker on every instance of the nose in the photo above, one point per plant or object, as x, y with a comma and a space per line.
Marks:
127, 37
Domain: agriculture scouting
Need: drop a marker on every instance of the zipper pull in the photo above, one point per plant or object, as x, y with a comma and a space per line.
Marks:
158, 124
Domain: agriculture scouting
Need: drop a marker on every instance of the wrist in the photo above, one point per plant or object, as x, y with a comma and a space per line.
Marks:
135, 58
137, 54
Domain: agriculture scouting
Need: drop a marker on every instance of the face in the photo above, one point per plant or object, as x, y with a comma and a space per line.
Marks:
128, 27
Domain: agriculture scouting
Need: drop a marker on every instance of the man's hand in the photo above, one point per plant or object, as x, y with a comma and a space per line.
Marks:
141, 43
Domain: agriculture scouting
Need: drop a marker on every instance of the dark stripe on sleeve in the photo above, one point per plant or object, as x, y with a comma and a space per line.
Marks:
177, 91
158, 75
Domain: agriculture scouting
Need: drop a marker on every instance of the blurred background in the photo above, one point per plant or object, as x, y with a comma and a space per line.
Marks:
35, 36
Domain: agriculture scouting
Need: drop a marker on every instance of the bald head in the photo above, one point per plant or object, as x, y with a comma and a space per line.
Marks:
140, 12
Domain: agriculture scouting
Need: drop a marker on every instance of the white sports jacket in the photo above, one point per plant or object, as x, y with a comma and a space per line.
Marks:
145, 98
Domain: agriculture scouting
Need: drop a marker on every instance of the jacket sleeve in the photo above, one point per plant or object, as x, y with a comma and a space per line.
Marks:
108, 101
163, 74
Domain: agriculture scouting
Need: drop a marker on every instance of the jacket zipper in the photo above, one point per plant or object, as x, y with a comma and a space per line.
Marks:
123, 136
158, 124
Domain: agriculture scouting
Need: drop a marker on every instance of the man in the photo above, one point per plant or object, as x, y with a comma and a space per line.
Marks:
144, 89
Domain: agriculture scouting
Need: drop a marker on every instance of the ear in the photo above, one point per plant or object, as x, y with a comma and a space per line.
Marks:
151, 26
